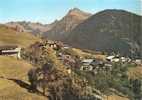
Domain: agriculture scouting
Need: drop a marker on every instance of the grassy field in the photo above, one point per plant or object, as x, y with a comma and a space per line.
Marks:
85, 54
135, 72
115, 97
11, 70
9, 36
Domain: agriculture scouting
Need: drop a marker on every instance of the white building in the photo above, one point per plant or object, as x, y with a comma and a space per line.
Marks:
110, 58
10, 50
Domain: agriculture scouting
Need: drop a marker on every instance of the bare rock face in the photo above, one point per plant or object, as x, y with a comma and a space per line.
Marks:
34, 28
15, 27
73, 18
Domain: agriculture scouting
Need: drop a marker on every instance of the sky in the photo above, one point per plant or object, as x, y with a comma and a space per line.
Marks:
46, 11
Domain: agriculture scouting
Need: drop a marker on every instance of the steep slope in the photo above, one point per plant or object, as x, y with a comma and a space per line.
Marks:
66, 24
14, 83
109, 31
13, 76
10, 36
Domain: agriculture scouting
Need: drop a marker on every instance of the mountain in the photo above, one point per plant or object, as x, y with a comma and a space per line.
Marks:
109, 31
34, 28
74, 17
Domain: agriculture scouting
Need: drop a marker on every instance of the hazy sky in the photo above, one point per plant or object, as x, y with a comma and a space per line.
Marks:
46, 11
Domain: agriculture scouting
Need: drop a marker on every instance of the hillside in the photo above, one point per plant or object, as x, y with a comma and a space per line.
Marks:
13, 73
10, 36
52, 70
13, 80
74, 17
109, 31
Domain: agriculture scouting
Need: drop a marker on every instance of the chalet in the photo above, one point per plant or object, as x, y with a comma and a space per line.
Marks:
10, 50
65, 46
97, 62
87, 61
138, 61
124, 59
113, 58
86, 64
110, 58
52, 45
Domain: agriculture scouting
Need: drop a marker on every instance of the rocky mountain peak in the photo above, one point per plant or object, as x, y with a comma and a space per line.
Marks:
77, 12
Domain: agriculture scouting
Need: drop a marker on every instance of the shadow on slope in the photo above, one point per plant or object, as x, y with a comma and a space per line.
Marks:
23, 84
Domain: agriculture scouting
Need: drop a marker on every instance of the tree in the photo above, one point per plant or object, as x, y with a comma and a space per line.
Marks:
51, 78
33, 78
136, 87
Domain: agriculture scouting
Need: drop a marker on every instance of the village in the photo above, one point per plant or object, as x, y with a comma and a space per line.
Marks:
86, 62
93, 64
66, 56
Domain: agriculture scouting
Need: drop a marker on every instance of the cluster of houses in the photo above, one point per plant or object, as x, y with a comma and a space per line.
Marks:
10, 50
56, 45
15, 50
95, 65
117, 58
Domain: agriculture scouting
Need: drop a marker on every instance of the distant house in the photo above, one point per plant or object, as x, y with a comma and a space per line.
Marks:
124, 59
65, 46
113, 58
54, 45
97, 63
138, 61
110, 58
10, 50
86, 64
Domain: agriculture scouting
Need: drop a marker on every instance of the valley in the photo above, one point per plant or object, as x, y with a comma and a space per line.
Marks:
82, 56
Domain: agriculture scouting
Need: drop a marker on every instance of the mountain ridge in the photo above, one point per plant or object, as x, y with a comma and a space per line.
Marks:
74, 17
109, 31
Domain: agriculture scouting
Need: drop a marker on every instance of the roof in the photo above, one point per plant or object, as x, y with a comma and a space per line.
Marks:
110, 57
97, 62
8, 47
88, 60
